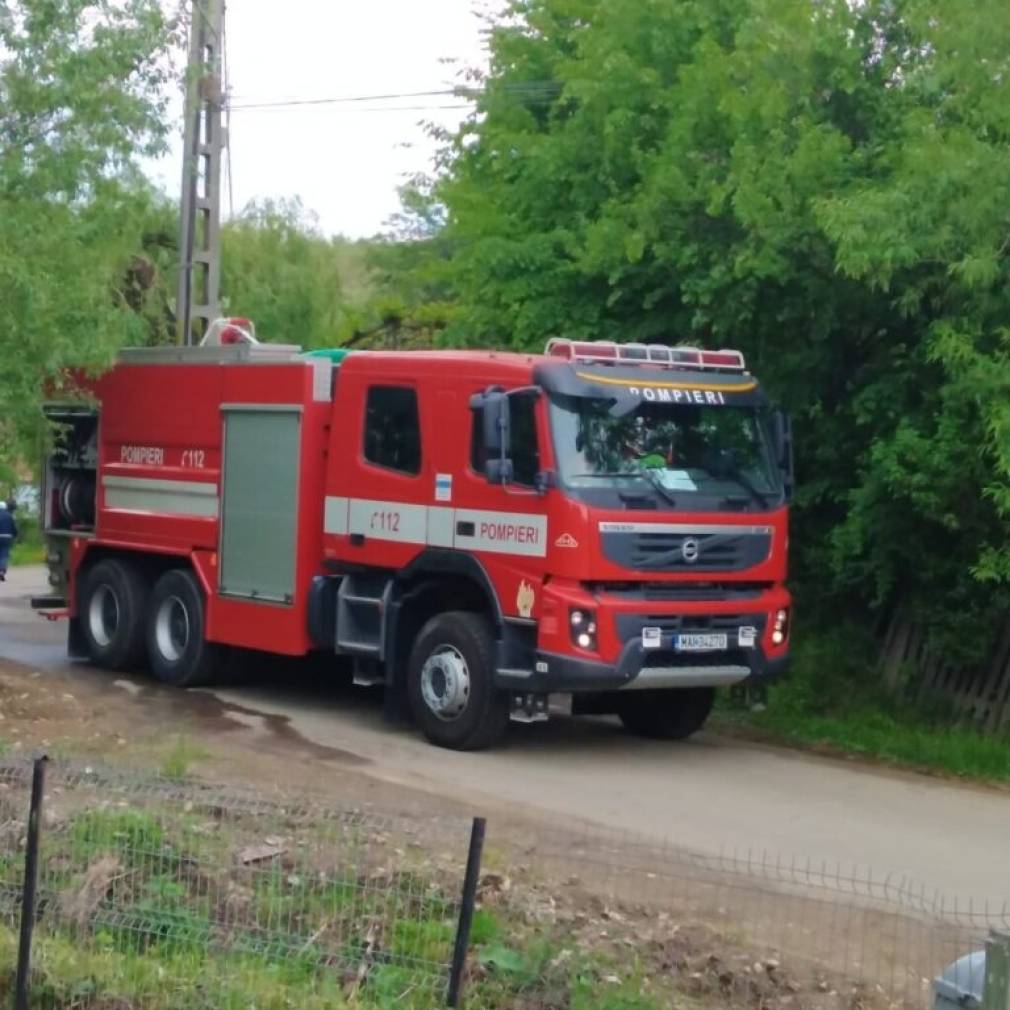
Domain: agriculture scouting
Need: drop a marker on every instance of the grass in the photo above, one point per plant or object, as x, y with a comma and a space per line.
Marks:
177, 764
834, 701
179, 922
69, 974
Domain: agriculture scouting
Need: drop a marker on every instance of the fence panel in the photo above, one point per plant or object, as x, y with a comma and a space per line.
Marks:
742, 930
224, 898
981, 697
156, 895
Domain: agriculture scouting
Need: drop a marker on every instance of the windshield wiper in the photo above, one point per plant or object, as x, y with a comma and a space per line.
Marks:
645, 475
632, 474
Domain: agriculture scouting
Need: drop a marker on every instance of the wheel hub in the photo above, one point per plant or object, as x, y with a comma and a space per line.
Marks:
171, 628
103, 615
445, 682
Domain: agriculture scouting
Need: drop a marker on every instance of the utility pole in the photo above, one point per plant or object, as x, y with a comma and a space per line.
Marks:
200, 231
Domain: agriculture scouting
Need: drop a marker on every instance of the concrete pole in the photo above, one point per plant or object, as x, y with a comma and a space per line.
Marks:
197, 304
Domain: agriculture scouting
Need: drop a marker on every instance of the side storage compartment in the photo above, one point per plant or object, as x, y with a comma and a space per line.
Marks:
68, 488
259, 512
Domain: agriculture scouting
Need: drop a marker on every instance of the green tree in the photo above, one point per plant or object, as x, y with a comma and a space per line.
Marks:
277, 269
81, 102
821, 184
411, 302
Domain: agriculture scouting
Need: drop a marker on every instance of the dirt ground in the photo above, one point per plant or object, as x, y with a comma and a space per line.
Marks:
74, 714
740, 941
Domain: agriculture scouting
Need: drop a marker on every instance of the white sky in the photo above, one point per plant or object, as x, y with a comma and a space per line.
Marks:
343, 161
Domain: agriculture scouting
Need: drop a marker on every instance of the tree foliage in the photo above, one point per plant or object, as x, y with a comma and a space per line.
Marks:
80, 104
823, 184
277, 269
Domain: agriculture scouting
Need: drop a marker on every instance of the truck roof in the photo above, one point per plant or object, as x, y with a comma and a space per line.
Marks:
578, 375
508, 364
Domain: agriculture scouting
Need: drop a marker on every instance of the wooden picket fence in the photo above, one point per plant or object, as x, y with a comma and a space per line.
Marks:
980, 697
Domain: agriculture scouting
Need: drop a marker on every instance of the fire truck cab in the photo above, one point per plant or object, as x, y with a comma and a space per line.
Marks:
477, 531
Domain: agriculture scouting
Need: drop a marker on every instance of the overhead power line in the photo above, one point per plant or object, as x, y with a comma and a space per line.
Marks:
361, 108
533, 90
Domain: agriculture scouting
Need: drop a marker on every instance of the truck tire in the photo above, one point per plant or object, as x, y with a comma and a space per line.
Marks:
666, 715
110, 610
450, 683
179, 653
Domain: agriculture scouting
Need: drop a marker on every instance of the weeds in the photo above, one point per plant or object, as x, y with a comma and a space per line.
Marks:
138, 835
178, 763
833, 699
170, 909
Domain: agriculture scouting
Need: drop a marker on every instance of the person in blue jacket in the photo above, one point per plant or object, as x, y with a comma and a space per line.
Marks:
8, 532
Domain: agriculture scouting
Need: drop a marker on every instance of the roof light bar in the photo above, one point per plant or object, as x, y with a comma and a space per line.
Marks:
654, 354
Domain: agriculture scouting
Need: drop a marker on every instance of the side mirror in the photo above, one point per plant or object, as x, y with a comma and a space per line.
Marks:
493, 404
783, 434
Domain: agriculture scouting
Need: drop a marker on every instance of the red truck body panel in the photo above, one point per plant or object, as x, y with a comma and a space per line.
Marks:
161, 491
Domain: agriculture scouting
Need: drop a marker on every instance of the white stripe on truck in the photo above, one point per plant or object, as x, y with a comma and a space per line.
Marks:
169, 497
518, 533
502, 532
387, 520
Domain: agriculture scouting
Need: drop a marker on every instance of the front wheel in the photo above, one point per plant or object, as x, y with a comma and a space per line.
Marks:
180, 654
666, 715
450, 683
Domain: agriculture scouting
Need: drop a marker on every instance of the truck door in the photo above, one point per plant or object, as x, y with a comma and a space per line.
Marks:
506, 526
387, 515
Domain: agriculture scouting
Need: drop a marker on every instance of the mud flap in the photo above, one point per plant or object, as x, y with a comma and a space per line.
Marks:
395, 706
77, 647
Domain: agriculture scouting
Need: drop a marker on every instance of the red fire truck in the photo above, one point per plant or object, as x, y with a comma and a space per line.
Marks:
476, 530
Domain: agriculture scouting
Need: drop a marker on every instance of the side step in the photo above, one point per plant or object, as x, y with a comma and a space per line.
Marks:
361, 614
48, 603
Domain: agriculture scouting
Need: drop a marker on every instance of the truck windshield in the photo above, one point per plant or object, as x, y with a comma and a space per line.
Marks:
680, 455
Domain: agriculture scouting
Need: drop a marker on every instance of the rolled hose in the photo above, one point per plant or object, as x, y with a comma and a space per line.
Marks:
77, 499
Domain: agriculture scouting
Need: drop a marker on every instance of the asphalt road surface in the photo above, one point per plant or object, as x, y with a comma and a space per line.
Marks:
711, 794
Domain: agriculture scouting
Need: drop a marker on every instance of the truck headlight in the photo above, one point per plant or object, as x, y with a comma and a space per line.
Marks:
780, 627
582, 625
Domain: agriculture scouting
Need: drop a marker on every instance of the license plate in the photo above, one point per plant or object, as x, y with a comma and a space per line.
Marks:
699, 642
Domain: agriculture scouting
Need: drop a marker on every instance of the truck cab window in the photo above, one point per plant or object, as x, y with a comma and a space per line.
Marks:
393, 429
524, 450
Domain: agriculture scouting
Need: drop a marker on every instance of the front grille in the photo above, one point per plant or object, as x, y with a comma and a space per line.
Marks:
682, 549
664, 591
704, 591
630, 625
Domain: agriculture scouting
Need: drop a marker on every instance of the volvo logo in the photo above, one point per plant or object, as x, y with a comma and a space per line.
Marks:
690, 549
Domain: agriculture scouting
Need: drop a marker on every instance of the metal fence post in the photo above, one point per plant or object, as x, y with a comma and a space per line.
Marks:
469, 900
996, 995
24, 968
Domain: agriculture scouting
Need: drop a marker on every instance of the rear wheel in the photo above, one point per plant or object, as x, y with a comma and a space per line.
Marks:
180, 654
450, 683
666, 715
111, 614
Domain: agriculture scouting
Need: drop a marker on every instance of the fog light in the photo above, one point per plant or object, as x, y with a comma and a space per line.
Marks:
780, 627
583, 628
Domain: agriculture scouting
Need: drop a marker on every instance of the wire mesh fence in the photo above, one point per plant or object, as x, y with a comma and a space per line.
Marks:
223, 898
742, 929
159, 894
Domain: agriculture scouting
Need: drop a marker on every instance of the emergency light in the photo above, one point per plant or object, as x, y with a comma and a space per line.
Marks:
653, 354
230, 331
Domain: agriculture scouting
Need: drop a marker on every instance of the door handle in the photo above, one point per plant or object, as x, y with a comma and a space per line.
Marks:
465, 529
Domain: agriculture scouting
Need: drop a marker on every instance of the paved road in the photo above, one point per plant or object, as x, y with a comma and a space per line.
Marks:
711, 794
